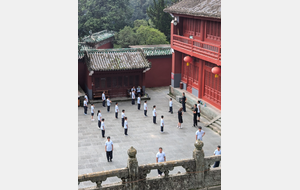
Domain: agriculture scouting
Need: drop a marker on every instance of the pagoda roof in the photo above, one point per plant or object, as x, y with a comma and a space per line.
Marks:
116, 59
98, 36
204, 8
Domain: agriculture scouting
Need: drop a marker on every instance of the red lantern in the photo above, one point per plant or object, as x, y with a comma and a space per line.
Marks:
187, 59
216, 71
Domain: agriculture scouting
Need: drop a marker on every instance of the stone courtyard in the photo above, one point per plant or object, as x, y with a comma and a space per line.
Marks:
143, 135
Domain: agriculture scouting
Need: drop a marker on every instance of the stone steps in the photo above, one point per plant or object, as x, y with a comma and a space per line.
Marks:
215, 125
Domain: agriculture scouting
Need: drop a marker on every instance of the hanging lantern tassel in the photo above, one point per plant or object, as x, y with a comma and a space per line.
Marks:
216, 71
216, 75
187, 64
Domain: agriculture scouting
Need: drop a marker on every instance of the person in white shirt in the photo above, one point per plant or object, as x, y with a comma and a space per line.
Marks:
99, 115
103, 128
103, 98
92, 111
138, 90
123, 117
160, 157
199, 134
217, 152
85, 97
133, 97
145, 108
154, 114
139, 102
133, 89
198, 110
116, 110
109, 147
162, 124
85, 106
125, 126
171, 106
108, 104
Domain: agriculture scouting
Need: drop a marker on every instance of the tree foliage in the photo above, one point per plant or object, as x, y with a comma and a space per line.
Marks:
160, 19
97, 15
141, 34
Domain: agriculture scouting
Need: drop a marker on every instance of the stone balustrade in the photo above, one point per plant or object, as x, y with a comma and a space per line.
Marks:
134, 177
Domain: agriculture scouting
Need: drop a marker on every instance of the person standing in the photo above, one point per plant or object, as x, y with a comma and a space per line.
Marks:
123, 117
133, 97
85, 106
92, 112
183, 101
145, 108
162, 124
154, 114
99, 115
217, 152
108, 104
160, 157
199, 134
109, 148
138, 89
198, 110
133, 90
116, 110
180, 120
126, 126
171, 106
195, 115
139, 101
102, 128
103, 98
85, 97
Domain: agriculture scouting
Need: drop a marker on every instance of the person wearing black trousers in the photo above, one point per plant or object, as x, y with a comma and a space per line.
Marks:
154, 114
99, 118
123, 116
133, 97
103, 99
85, 106
103, 128
109, 147
116, 110
183, 101
171, 106
139, 102
195, 115
145, 108
108, 104
125, 126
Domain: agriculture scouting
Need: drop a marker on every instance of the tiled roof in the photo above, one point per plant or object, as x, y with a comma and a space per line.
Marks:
205, 8
81, 47
154, 50
116, 59
99, 36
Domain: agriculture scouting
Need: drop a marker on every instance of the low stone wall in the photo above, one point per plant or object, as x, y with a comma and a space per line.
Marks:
134, 177
207, 112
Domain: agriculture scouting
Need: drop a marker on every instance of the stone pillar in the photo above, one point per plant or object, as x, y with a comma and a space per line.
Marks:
133, 168
198, 155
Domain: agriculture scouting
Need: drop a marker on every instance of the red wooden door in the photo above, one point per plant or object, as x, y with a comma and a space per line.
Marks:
212, 88
189, 79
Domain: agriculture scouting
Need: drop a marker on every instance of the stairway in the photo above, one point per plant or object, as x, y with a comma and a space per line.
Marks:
215, 125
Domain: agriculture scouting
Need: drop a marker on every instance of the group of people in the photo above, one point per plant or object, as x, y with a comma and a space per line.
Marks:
160, 156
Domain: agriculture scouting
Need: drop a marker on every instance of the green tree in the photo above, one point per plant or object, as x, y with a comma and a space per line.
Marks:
160, 19
150, 36
126, 37
99, 15
138, 23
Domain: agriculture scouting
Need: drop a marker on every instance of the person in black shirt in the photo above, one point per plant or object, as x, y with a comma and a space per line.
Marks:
183, 101
180, 118
195, 115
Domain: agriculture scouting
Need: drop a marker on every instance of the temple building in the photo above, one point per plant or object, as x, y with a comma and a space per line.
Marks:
196, 37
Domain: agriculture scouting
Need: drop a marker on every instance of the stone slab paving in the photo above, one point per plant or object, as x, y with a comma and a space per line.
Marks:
142, 135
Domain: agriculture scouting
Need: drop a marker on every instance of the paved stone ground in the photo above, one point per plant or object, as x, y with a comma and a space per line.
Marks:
142, 135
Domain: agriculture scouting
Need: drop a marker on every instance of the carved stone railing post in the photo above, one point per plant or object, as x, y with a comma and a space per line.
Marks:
198, 155
133, 168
